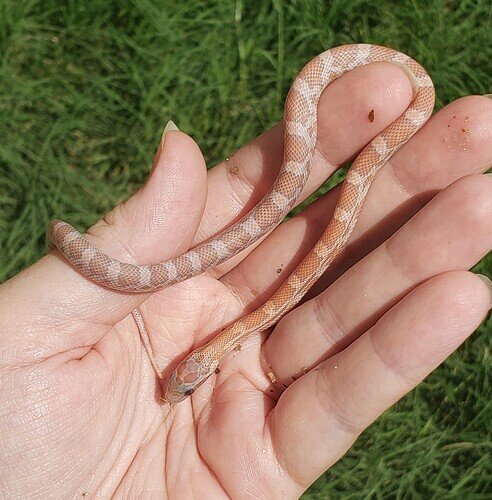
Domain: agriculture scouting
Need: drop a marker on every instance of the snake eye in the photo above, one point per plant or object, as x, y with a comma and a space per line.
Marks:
189, 392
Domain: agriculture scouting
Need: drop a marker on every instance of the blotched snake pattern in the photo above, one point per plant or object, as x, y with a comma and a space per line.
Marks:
300, 123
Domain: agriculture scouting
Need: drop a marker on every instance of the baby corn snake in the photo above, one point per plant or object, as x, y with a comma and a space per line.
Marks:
300, 123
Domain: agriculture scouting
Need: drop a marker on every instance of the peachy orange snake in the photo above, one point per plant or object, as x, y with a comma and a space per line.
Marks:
300, 122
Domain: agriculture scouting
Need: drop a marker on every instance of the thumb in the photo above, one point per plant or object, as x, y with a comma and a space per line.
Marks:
155, 224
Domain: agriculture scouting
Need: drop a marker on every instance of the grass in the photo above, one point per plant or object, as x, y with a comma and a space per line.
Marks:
86, 88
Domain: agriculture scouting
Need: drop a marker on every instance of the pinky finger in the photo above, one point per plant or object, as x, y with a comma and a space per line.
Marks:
318, 418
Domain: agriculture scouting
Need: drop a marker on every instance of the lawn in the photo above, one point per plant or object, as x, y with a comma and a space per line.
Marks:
86, 88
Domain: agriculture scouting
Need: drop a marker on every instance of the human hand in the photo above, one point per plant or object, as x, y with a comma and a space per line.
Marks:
81, 412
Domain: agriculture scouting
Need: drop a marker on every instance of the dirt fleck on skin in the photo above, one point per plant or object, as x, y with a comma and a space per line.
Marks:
233, 169
237, 348
217, 370
370, 116
459, 138
272, 377
305, 370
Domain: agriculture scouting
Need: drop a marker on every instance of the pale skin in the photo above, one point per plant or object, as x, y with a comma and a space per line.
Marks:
81, 413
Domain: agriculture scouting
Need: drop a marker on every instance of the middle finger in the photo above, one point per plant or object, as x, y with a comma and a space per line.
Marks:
452, 232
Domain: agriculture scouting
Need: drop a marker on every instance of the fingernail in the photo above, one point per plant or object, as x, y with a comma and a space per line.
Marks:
487, 281
170, 125
409, 74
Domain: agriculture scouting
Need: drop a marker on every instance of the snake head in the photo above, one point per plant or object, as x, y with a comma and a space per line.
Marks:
184, 380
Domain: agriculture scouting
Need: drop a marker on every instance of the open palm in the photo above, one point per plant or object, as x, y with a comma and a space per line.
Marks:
81, 410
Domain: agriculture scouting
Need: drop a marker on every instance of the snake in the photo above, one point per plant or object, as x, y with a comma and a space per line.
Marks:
300, 134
